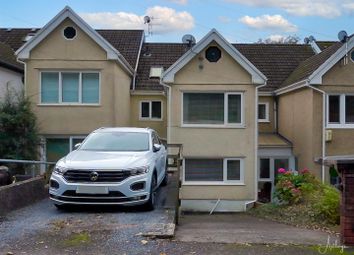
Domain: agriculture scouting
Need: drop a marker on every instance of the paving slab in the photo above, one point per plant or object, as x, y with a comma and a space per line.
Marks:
241, 228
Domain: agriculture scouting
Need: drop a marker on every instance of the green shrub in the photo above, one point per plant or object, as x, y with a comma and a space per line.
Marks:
18, 130
327, 203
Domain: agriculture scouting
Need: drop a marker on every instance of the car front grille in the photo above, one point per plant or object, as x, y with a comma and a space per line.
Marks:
85, 176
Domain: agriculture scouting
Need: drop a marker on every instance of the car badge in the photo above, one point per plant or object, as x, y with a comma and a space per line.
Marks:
93, 176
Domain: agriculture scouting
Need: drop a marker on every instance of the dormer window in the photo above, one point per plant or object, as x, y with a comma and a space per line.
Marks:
156, 72
69, 33
28, 37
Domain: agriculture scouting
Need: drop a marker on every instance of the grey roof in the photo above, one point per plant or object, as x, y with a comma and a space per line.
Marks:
8, 59
308, 66
275, 61
127, 42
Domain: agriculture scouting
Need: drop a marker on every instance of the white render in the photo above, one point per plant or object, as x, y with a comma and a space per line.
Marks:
9, 80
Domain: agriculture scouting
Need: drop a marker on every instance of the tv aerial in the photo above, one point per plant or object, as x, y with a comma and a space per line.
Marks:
148, 23
189, 40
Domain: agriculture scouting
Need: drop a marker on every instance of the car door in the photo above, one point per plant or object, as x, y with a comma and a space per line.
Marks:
159, 156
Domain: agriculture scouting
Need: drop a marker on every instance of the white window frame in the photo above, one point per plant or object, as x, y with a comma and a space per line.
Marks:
226, 109
266, 104
60, 89
150, 118
225, 182
342, 121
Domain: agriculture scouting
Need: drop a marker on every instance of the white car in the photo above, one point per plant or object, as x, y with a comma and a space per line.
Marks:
121, 166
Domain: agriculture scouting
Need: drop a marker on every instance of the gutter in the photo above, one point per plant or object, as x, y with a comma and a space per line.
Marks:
137, 60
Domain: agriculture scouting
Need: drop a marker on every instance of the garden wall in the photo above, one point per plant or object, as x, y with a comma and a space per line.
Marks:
21, 194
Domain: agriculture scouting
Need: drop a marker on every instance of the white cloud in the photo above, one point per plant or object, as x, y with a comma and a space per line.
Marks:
323, 8
274, 22
164, 20
182, 2
224, 19
277, 38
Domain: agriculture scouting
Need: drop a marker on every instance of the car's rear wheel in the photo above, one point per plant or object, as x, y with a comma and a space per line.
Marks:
150, 204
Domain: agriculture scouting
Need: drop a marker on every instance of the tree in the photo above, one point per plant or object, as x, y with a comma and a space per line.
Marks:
18, 129
291, 39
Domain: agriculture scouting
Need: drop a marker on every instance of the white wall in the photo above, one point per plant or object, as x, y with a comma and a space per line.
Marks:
9, 80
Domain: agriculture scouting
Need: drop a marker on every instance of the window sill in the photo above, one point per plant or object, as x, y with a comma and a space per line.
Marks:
68, 104
148, 119
213, 184
263, 121
213, 126
340, 126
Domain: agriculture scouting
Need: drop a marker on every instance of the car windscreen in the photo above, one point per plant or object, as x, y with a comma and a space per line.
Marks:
116, 141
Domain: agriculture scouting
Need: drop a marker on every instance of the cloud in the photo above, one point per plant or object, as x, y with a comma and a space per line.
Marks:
224, 19
274, 22
182, 2
164, 20
323, 8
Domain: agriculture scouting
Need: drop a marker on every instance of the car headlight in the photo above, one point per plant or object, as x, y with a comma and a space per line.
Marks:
139, 170
60, 170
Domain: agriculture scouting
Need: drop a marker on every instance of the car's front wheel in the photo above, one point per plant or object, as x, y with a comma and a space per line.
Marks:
150, 204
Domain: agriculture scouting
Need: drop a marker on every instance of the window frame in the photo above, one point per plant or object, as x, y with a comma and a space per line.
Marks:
150, 118
225, 181
60, 88
226, 109
266, 112
342, 111
70, 138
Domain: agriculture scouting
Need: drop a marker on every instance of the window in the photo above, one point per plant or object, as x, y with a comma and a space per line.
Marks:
69, 87
56, 148
264, 168
207, 109
213, 54
69, 33
156, 72
204, 171
340, 111
263, 112
151, 110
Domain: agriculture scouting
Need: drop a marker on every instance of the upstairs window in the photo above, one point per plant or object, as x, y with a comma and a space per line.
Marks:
340, 111
69, 87
212, 109
263, 112
151, 110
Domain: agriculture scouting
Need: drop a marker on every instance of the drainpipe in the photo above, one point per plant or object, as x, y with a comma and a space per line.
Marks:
169, 110
137, 60
323, 128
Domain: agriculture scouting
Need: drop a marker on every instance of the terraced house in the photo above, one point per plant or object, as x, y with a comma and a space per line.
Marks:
241, 111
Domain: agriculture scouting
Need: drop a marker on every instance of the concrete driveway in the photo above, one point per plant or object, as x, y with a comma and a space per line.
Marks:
42, 225
242, 228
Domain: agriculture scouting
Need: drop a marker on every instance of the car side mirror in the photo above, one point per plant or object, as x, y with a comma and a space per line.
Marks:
156, 147
76, 146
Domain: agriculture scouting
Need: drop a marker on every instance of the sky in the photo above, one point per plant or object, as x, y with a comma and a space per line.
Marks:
237, 20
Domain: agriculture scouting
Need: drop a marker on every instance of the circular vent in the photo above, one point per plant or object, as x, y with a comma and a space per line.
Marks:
213, 54
69, 33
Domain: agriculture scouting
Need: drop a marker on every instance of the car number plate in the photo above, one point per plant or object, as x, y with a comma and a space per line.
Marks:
91, 190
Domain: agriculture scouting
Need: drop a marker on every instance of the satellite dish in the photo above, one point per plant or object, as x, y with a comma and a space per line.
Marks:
312, 38
188, 39
147, 19
342, 36
306, 40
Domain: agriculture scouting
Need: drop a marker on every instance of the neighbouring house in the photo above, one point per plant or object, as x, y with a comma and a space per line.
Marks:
241, 111
11, 72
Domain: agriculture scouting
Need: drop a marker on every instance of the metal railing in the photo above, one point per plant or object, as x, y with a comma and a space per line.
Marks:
32, 170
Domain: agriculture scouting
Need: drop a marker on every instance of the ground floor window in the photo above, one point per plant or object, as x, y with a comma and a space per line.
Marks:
150, 110
222, 170
58, 147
